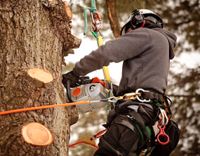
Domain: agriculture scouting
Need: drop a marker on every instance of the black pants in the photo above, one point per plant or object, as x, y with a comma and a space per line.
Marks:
117, 141
123, 139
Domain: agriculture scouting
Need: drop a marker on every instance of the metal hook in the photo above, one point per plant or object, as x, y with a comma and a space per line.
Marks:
138, 91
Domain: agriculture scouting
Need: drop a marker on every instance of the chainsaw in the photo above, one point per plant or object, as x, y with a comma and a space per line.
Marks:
88, 89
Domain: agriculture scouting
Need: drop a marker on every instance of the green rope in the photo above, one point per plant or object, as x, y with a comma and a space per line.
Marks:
93, 6
92, 9
85, 21
95, 34
149, 131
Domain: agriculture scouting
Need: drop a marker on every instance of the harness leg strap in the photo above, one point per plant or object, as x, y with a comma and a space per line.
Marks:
122, 138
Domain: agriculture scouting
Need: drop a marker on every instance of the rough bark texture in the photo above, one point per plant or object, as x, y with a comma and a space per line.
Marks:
113, 18
33, 34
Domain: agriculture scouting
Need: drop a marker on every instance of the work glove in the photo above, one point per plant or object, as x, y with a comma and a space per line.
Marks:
70, 79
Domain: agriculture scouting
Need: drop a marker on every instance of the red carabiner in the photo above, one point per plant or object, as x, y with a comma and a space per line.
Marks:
96, 21
162, 137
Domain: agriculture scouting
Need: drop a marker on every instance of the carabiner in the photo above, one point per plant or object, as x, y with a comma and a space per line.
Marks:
138, 97
162, 137
96, 21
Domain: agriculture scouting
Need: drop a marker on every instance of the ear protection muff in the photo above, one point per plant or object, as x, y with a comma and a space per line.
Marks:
137, 19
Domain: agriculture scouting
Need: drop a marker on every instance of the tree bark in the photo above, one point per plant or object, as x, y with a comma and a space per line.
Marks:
33, 34
113, 18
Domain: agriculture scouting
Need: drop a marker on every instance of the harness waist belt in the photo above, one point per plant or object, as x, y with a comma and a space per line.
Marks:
146, 94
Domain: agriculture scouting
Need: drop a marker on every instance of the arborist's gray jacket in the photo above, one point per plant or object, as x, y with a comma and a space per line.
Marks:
146, 54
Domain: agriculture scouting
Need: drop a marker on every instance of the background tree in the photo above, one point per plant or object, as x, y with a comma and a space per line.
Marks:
113, 17
33, 34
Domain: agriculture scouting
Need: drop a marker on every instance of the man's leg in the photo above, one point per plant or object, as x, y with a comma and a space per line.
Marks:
119, 139
127, 132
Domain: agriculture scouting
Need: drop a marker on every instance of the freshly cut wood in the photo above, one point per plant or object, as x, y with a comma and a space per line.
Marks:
36, 134
68, 10
40, 74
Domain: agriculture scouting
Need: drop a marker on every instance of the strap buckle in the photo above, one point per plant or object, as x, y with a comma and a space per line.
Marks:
140, 91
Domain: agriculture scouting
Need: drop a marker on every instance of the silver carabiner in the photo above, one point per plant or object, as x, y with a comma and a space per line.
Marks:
138, 97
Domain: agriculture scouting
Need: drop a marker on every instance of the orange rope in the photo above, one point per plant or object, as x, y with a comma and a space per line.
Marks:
88, 141
100, 133
44, 107
83, 142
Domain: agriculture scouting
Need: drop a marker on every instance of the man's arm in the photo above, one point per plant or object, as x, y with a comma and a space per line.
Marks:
127, 46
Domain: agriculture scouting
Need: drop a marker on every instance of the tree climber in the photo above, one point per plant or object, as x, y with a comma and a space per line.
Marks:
145, 49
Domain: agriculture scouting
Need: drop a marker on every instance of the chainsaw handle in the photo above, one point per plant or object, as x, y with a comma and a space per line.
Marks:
68, 91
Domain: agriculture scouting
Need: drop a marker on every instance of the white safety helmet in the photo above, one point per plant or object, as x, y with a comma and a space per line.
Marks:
138, 17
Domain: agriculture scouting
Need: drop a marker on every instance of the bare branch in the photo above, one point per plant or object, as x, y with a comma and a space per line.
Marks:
113, 18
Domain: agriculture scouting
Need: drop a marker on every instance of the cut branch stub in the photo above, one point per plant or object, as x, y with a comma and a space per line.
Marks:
36, 134
40, 75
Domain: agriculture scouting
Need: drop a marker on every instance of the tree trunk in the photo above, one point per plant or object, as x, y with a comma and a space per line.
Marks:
113, 18
33, 34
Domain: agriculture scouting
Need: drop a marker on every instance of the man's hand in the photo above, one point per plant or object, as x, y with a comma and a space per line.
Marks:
70, 78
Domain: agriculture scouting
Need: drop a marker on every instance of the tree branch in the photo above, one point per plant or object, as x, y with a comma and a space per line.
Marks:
113, 18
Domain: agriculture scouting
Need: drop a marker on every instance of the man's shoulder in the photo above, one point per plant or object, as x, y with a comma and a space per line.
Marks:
154, 33
140, 31
146, 31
